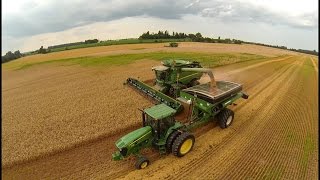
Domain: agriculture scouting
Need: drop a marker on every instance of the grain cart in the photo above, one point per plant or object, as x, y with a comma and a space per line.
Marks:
164, 131
174, 75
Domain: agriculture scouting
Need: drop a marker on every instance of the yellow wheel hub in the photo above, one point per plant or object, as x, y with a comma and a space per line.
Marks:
186, 146
144, 164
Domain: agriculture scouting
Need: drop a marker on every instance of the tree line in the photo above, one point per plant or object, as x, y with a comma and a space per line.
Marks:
197, 37
44, 51
193, 37
314, 52
11, 56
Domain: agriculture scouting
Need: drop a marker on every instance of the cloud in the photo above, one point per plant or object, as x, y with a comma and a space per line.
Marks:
56, 16
36, 17
238, 11
31, 23
132, 27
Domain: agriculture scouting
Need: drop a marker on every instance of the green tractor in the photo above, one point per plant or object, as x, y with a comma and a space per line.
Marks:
174, 75
164, 131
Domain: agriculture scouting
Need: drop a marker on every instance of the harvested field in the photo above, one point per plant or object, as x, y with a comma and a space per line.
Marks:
61, 122
149, 48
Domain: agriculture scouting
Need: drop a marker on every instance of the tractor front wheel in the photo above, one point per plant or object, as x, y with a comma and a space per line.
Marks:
142, 162
183, 144
225, 118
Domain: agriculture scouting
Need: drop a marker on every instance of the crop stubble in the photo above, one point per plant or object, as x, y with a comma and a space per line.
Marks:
256, 146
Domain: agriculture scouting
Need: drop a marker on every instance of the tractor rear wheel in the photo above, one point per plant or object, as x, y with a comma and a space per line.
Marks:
225, 118
183, 144
142, 162
173, 136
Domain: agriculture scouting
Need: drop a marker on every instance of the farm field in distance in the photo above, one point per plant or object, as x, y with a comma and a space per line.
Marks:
62, 113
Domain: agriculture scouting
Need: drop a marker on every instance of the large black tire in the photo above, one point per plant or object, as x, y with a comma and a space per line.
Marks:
225, 118
142, 162
173, 136
183, 144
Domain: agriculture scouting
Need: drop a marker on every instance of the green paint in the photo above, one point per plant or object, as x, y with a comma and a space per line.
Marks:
160, 111
133, 136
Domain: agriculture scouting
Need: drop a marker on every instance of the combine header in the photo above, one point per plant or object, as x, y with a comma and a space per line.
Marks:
162, 125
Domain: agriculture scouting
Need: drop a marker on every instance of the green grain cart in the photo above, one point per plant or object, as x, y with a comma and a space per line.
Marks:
167, 132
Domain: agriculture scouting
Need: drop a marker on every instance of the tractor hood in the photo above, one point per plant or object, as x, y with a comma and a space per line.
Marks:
134, 136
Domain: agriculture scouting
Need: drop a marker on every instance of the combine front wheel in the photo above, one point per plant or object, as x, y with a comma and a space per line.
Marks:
183, 144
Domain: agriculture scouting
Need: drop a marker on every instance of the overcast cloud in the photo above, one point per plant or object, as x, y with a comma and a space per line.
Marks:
27, 24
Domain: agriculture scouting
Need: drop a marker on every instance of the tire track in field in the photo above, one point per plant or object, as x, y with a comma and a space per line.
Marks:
264, 145
272, 123
249, 132
253, 66
246, 165
247, 159
314, 65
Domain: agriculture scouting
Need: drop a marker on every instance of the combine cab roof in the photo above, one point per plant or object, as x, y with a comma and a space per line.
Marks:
160, 111
160, 68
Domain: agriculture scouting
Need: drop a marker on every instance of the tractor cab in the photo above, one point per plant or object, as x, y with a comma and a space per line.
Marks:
160, 118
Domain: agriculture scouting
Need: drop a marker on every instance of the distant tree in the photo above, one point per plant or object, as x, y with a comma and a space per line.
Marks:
42, 50
227, 40
17, 54
166, 34
192, 37
11, 56
89, 41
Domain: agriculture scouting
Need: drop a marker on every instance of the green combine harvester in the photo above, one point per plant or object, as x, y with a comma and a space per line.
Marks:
167, 125
172, 76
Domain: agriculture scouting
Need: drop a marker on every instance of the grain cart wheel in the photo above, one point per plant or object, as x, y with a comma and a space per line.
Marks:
142, 162
225, 118
173, 136
183, 144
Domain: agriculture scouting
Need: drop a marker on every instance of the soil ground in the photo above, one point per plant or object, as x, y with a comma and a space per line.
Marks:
62, 122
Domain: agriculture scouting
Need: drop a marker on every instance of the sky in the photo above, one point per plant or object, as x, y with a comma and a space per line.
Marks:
29, 24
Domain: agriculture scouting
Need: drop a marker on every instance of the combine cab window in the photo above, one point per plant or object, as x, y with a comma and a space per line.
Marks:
161, 75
